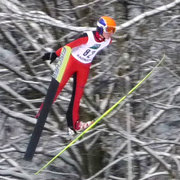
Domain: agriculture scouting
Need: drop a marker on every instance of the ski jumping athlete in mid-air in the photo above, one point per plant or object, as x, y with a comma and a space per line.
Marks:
83, 50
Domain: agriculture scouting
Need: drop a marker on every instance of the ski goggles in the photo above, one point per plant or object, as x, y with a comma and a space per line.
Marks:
109, 29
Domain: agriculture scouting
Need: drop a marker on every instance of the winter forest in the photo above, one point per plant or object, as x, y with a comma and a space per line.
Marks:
139, 139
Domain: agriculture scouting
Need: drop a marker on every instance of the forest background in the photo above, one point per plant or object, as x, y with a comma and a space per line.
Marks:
139, 140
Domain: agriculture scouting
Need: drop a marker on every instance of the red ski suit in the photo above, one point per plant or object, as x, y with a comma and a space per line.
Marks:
80, 72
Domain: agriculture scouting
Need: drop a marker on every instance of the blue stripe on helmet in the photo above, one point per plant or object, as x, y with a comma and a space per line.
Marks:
101, 21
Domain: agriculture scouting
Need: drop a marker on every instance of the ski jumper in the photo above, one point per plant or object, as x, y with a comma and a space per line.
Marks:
83, 51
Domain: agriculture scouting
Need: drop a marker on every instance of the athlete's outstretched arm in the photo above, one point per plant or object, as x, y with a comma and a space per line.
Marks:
77, 42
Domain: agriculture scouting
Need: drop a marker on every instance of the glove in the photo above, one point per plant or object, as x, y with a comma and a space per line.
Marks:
49, 56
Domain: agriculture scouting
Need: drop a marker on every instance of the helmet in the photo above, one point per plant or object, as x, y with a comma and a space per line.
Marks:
106, 24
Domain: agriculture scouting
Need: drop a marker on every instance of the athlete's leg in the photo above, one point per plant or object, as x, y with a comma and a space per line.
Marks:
80, 79
69, 114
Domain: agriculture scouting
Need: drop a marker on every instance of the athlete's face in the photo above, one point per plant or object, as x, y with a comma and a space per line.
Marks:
107, 35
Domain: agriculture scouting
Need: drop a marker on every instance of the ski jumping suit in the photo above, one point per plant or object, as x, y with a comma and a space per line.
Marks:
84, 50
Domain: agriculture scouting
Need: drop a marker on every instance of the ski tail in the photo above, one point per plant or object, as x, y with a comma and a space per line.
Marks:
41, 120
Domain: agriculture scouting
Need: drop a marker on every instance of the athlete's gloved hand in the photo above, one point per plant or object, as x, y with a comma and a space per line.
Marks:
49, 56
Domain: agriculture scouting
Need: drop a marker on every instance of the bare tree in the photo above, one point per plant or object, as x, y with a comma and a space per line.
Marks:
136, 141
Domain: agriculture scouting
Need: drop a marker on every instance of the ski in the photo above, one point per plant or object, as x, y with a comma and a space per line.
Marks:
101, 117
51, 92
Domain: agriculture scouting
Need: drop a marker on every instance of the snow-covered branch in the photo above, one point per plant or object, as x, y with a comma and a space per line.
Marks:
41, 17
149, 14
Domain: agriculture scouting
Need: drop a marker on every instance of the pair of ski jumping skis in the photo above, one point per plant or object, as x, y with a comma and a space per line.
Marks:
75, 60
